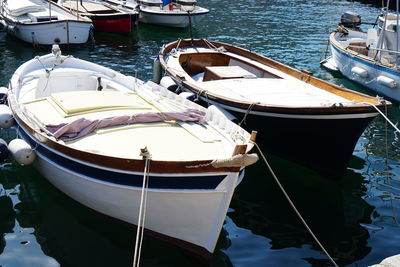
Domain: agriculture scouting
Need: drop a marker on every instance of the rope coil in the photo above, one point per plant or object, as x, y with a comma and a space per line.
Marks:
240, 160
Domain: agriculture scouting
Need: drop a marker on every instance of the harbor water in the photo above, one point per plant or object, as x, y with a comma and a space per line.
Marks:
356, 218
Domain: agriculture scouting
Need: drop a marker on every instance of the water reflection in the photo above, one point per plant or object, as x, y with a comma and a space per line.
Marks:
334, 211
7, 221
72, 235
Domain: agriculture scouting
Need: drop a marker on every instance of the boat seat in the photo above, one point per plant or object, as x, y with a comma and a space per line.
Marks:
358, 45
226, 72
41, 16
259, 73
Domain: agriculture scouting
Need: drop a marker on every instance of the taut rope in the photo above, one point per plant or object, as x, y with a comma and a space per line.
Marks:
142, 209
251, 106
293, 206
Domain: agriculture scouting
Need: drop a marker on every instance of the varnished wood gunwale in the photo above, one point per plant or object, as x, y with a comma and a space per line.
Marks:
124, 164
305, 77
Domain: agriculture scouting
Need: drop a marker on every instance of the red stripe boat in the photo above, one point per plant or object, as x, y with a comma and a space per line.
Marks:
104, 16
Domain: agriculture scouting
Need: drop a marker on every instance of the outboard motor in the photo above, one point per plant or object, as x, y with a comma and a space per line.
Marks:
350, 19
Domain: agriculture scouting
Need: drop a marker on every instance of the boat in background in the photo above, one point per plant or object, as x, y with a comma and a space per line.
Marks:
102, 137
170, 13
105, 17
298, 116
369, 58
41, 22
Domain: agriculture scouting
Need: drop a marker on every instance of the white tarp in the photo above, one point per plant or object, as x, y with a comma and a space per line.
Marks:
21, 7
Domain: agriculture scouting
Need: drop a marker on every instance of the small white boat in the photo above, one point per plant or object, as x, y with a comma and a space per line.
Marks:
368, 58
41, 22
172, 13
298, 116
191, 171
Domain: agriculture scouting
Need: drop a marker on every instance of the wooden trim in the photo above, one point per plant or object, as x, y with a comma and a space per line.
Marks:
343, 92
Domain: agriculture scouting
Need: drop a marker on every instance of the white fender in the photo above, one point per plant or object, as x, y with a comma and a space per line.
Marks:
6, 117
168, 83
21, 151
222, 112
188, 95
386, 81
359, 72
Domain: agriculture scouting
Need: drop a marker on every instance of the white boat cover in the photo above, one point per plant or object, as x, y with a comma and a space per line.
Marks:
21, 7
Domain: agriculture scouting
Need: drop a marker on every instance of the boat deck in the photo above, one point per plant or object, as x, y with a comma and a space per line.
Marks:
187, 141
257, 83
86, 7
273, 91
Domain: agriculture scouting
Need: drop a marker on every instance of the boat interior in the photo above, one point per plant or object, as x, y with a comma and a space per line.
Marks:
89, 7
242, 79
177, 5
365, 44
69, 94
26, 11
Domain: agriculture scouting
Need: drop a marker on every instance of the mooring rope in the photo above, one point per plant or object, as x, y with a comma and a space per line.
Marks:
383, 115
387, 120
210, 45
251, 106
142, 208
387, 170
293, 206
323, 55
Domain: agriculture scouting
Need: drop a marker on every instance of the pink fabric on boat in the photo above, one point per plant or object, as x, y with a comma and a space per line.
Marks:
82, 126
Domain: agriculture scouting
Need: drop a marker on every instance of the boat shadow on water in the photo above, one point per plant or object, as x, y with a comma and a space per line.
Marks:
334, 210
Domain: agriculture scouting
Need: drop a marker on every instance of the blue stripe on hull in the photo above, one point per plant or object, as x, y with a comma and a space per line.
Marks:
155, 182
388, 70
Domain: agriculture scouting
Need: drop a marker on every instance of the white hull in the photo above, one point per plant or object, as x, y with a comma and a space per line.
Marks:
196, 217
346, 63
177, 19
68, 32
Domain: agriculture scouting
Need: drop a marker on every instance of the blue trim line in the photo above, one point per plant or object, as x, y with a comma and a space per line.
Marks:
367, 63
155, 182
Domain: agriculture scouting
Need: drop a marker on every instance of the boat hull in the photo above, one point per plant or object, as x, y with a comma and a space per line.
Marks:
68, 32
346, 60
115, 23
324, 143
189, 215
169, 19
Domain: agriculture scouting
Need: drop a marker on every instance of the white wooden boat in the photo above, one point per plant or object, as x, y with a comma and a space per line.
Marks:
368, 58
188, 193
171, 13
41, 22
298, 116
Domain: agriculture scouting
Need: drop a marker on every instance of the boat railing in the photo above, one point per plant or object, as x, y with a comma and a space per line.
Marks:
390, 53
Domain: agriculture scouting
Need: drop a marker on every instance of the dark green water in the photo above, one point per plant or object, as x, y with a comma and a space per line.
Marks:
357, 218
